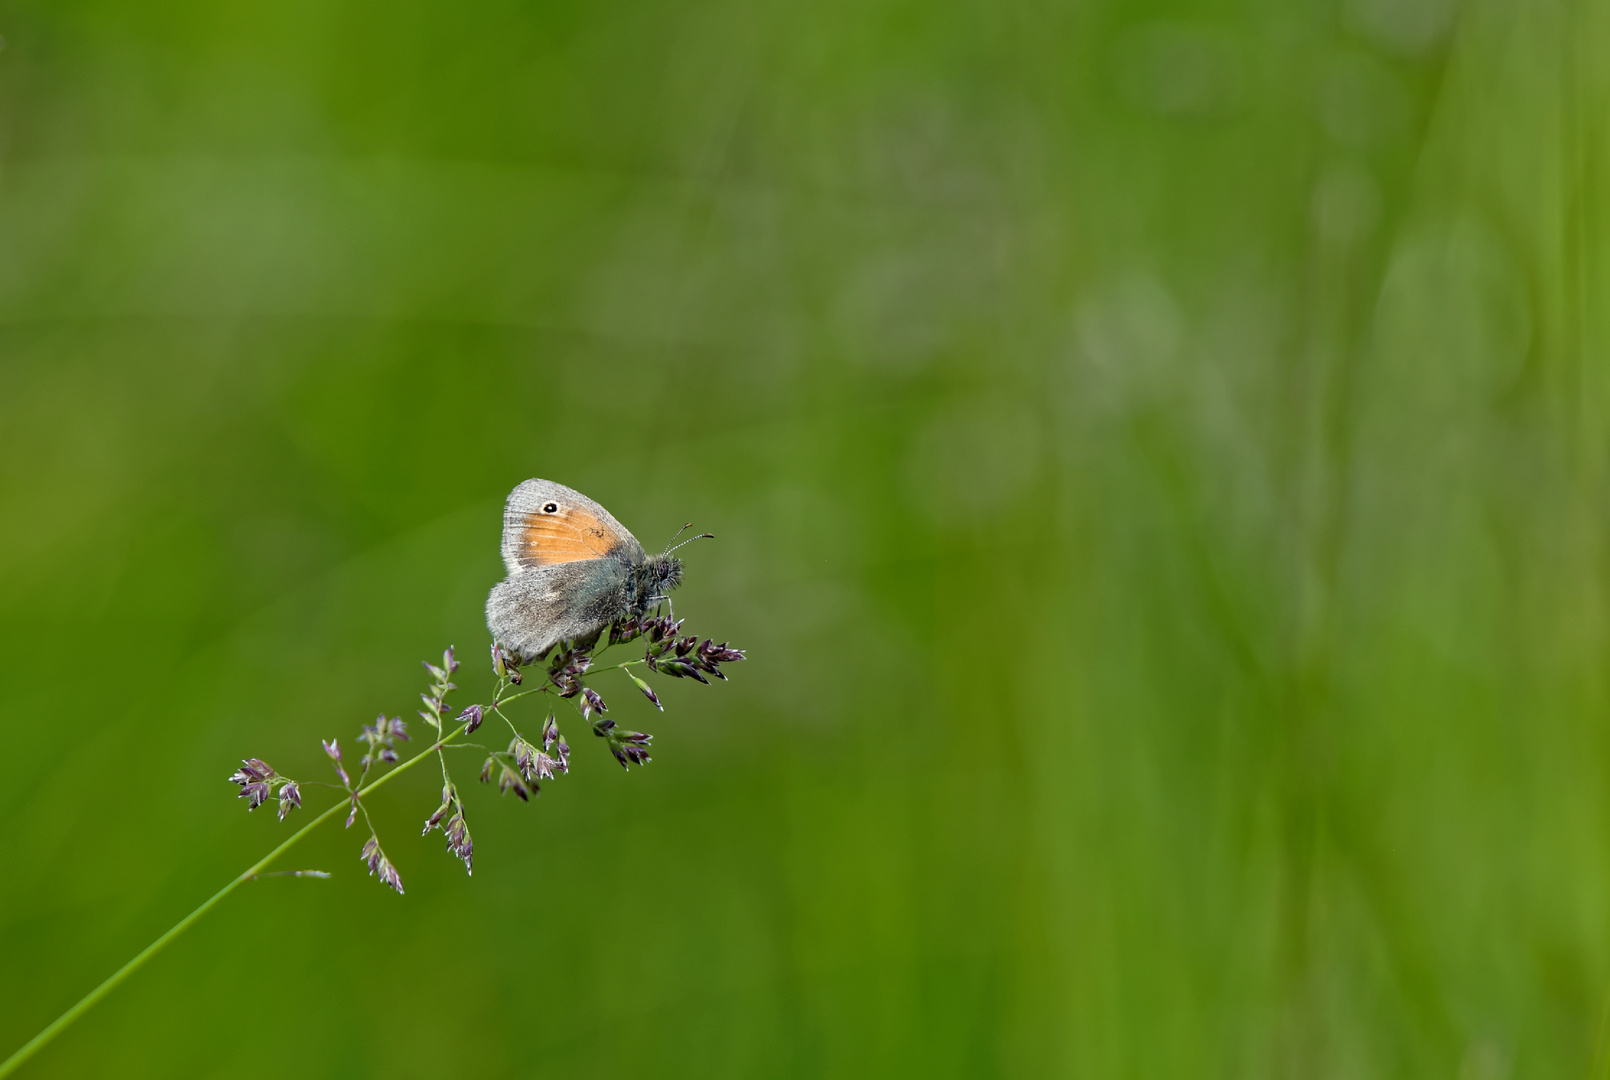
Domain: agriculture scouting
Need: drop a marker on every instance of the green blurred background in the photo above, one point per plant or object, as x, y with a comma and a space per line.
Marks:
1159, 459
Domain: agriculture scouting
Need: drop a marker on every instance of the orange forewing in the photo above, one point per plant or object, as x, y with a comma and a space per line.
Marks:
571, 535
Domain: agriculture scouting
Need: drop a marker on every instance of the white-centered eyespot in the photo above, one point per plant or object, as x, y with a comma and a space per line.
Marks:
550, 508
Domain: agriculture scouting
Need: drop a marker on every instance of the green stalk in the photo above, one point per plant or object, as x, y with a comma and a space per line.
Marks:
58, 1025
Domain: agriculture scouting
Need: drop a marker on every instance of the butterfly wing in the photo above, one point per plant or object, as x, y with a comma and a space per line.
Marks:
568, 561
548, 524
535, 609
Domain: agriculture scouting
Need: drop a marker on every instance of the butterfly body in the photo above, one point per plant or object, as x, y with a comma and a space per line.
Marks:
573, 570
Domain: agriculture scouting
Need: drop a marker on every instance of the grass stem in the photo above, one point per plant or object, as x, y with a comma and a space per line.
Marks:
60, 1024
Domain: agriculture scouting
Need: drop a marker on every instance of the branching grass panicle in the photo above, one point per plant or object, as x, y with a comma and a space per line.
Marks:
522, 768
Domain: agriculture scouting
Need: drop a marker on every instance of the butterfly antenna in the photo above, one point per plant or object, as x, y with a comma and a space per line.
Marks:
689, 540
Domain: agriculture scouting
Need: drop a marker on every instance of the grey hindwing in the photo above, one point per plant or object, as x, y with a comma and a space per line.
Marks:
535, 609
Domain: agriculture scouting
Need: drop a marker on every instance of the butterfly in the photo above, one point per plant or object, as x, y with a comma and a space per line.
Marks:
573, 570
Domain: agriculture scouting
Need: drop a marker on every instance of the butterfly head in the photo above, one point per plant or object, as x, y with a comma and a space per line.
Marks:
652, 581
665, 571
658, 574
